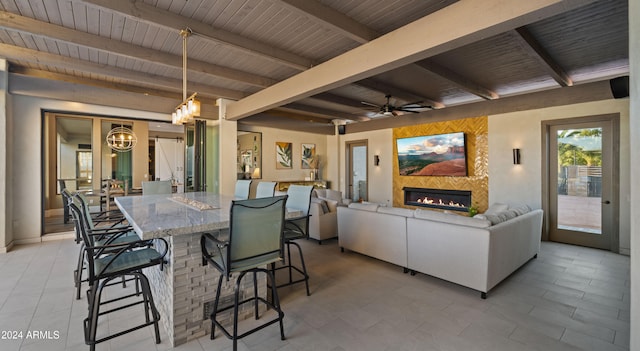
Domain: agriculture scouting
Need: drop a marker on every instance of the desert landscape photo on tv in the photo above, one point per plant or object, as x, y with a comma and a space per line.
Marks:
432, 155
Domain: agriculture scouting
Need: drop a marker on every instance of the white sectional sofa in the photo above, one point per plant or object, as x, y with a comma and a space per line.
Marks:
474, 252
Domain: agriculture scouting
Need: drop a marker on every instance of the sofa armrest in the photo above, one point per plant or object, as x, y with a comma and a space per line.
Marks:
322, 225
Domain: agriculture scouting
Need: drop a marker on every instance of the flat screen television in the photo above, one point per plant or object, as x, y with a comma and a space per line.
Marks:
433, 155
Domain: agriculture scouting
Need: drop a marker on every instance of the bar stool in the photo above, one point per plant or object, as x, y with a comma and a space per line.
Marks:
112, 231
299, 200
242, 189
109, 261
265, 189
255, 240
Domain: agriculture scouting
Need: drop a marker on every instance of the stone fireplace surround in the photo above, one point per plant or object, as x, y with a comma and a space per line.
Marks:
477, 179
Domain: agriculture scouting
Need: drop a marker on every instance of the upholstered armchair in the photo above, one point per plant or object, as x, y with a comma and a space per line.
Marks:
323, 223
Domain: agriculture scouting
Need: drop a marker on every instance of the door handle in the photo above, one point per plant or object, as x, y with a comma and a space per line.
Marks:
606, 202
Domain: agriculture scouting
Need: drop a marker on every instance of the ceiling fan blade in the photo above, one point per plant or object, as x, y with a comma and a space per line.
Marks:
370, 104
419, 103
407, 110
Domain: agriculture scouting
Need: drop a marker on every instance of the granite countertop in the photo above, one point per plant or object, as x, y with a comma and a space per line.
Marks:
154, 216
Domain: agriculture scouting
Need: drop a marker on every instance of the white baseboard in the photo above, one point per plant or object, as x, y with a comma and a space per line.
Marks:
6, 248
28, 241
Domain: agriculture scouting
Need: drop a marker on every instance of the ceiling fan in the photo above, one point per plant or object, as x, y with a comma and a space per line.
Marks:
389, 109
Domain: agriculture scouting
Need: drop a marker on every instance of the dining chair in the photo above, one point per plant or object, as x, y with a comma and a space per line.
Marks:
255, 240
265, 189
108, 260
156, 187
242, 189
299, 200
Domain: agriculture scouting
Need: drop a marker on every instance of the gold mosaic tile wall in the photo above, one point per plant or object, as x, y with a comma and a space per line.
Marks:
477, 179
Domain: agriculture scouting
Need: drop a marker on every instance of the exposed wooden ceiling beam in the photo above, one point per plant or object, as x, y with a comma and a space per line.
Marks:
60, 90
459, 80
537, 51
279, 119
405, 45
87, 81
102, 84
43, 29
330, 17
388, 89
363, 34
327, 114
21, 56
581, 93
158, 17
338, 99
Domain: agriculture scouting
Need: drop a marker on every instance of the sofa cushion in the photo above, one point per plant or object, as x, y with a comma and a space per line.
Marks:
495, 208
451, 218
500, 217
405, 212
520, 209
373, 207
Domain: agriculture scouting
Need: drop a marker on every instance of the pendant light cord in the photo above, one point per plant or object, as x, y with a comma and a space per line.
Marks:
185, 33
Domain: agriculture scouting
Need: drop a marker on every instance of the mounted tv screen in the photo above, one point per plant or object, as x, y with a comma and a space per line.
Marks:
432, 155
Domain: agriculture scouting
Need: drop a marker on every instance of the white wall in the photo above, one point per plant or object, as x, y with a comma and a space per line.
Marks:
26, 169
634, 150
523, 183
6, 205
269, 138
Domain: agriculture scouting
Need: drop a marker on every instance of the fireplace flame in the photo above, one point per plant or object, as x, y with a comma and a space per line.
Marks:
428, 201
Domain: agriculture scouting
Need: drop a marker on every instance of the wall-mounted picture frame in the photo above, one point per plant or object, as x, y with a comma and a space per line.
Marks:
283, 155
308, 153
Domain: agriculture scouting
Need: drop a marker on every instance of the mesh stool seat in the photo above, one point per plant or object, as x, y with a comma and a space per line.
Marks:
255, 241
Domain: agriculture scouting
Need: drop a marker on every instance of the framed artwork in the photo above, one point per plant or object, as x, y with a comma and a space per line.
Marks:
308, 155
283, 155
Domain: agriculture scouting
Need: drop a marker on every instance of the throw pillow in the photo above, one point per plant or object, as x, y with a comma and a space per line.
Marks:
332, 204
323, 204
521, 209
451, 218
496, 208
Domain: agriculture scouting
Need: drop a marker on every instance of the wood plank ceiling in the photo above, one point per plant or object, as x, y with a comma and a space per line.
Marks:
242, 47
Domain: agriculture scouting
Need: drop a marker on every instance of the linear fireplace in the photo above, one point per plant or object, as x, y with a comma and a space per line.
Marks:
455, 200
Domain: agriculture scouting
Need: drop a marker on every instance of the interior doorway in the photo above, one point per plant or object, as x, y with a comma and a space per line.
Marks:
357, 170
582, 181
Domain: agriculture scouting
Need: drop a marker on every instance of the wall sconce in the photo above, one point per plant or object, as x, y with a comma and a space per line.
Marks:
376, 160
516, 156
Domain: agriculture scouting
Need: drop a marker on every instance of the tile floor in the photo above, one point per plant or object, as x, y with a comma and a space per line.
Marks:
569, 298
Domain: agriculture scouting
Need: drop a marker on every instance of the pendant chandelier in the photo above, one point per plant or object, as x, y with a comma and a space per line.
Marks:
190, 107
121, 139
